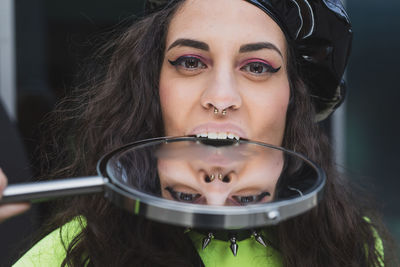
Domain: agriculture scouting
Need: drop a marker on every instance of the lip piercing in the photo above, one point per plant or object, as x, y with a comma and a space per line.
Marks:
216, 111
224, 112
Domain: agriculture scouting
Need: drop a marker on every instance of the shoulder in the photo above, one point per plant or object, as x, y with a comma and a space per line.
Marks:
51, 250
379, 248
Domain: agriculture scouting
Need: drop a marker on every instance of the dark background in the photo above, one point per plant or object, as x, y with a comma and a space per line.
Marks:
373, 129
54, 37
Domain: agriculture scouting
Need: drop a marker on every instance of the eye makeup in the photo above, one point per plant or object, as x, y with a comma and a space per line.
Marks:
250, 199
235, 199
182, 196
258, 66
189, 62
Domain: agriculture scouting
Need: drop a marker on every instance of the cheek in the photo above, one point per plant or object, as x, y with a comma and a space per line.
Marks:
169, 107
177, 99
268, 113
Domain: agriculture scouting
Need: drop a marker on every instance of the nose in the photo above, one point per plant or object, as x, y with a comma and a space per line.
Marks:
221, 91
218, 185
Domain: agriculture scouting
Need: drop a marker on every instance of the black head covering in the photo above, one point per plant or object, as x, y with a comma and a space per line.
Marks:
322, 34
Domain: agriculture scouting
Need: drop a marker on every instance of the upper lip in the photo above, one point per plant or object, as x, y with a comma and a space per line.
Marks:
212, 127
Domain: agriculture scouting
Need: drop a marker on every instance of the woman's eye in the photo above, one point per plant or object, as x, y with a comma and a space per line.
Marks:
188, 63
252, 199
259, 68
245, 199
182, 196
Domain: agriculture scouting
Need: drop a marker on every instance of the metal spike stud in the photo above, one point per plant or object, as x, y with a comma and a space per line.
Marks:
259, 238
207, 240
234, 246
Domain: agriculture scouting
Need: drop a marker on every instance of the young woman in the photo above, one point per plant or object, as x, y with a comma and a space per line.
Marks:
263, 70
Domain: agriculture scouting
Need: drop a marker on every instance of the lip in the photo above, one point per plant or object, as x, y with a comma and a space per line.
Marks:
218, 128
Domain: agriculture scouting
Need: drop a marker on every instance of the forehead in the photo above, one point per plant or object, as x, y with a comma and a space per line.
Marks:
232, 21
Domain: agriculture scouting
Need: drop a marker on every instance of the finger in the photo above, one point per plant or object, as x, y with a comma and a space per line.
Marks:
3, 181
10, 210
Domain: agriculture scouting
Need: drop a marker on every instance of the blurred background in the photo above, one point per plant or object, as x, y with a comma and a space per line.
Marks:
44, 43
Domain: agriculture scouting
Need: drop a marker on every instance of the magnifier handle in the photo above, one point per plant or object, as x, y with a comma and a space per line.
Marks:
46, 190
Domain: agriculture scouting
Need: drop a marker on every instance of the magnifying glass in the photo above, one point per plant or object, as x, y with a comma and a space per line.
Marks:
195, 182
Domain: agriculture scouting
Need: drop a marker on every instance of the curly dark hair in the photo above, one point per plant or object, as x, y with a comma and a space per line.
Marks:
120, 104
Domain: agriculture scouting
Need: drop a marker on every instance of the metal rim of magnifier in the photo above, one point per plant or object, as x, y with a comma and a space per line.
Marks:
203, 216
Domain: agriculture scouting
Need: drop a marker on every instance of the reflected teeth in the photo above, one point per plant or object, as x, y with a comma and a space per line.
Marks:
221, 135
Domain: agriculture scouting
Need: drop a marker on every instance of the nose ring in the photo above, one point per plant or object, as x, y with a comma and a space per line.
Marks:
210, 178
216, 111
224, 179
220, 176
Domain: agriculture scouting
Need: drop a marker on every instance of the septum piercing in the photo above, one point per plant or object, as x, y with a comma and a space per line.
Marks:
209, 179
220, 177
216, 111
212, 177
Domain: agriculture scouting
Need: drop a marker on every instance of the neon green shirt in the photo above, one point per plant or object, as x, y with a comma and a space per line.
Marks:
50, 251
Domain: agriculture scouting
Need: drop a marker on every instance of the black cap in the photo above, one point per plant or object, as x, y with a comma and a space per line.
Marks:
322, 34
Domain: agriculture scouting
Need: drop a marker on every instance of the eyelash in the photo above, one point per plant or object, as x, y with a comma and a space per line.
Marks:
244, 200
181, 63
241, 200
266, 68
181, 196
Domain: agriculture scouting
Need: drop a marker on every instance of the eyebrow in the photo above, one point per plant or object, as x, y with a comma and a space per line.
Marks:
190, 43
258, 46
243, 49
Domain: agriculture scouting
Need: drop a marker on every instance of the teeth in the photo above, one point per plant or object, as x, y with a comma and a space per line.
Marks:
212, 135
221, 135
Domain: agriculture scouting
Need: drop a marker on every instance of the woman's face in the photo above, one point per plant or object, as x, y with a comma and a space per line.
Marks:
225, 55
